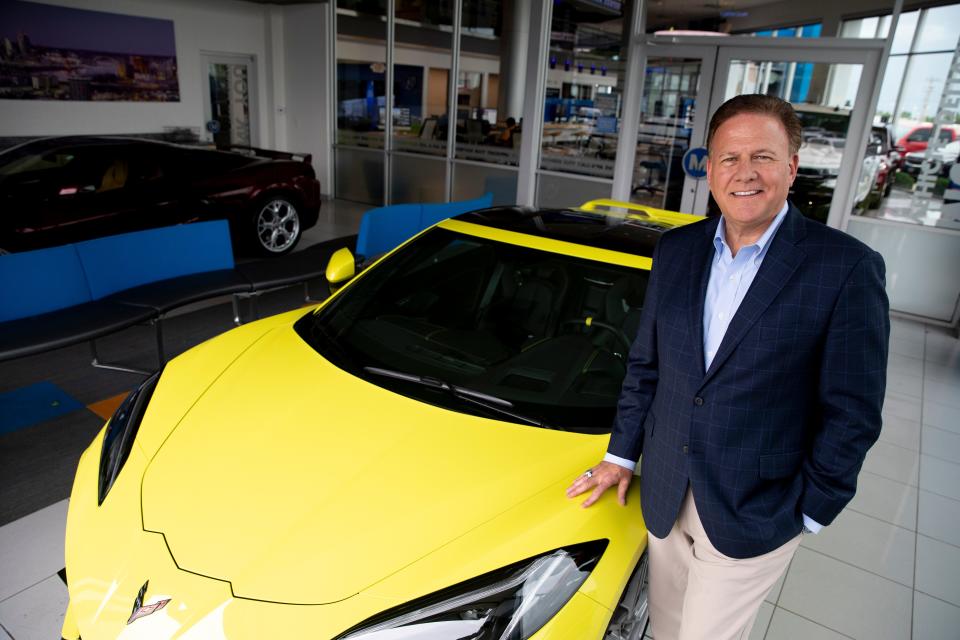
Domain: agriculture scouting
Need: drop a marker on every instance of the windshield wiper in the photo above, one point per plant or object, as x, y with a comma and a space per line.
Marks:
485, 400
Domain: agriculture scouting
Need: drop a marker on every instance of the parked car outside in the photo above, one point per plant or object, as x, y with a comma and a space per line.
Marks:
947, 155
59, 190
365, 469
821, 151
917, 138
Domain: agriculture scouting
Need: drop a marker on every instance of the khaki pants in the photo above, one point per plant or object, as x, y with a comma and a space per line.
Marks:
697, 593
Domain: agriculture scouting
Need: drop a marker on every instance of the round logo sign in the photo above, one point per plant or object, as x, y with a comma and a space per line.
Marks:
695, 163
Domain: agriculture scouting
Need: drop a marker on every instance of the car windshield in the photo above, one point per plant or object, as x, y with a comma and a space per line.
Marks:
545, 333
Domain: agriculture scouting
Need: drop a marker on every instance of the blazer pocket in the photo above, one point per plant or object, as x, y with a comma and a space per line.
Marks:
780, 465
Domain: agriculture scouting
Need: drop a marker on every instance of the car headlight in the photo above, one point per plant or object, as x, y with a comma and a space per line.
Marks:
121, 431
511, 603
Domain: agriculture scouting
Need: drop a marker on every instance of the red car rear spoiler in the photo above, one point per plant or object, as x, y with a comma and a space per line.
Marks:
275, 155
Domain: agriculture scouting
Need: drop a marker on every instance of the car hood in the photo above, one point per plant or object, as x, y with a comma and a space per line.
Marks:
815, 155
299, 483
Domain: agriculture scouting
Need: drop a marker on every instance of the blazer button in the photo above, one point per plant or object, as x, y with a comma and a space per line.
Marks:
686, 449
698, 401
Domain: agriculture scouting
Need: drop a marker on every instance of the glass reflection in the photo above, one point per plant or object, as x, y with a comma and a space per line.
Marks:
361, 72
421, 76
584, 86
490, 86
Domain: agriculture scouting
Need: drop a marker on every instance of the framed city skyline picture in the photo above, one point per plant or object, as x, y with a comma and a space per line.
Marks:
48, 52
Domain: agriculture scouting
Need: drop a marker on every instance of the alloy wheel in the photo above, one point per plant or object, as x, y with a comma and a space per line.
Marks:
278, 225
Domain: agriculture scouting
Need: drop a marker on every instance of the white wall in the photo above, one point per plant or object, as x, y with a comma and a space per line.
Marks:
218, 26
303, 112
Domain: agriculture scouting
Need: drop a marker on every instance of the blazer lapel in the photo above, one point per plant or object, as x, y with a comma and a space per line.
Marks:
778, 266
700, 266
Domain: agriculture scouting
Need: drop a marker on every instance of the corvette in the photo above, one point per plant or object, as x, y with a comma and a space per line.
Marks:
391, 463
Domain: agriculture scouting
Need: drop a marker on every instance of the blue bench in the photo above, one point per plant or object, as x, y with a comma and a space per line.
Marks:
56, 297
385, 228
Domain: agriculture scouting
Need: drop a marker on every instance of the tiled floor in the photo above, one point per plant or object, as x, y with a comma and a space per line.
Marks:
888, 567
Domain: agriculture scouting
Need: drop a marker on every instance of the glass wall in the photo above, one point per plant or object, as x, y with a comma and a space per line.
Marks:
361, 91
917, 71
583, 99
670, 92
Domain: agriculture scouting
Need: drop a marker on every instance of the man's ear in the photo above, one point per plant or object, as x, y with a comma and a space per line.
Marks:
794, 165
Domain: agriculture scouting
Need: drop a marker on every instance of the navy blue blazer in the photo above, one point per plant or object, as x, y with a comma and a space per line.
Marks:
780, 423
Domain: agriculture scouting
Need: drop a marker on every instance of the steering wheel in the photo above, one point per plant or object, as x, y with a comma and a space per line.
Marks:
590, 323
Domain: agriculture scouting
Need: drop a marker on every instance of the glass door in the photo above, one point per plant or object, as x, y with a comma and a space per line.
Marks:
227, 105
673, 119
830, 89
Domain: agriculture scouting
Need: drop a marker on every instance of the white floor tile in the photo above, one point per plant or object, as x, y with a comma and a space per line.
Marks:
760, 625
941, 416
893, 462
31, 548
774, 594
886, 499
945, 354
940, 476
911, 348
934, 619
849, 600
3, 634
37, 613
948, 373
906, 328
907, 384
941, 443
939, 518
942, 392
789, 626
901, 405
867, 543
905, 364
938, 566
901, 432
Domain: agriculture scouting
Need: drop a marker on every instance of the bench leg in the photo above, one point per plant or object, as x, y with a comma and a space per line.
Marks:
161, 355
111, 367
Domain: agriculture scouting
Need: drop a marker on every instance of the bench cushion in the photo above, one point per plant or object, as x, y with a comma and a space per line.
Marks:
40, 281
171, 293
128, 260
56, 329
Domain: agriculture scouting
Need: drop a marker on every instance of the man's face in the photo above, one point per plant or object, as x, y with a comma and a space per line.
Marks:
750, 168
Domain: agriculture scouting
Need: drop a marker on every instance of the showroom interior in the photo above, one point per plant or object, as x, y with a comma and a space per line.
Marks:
539, 103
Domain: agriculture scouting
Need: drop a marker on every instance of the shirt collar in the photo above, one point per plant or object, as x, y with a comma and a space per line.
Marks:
720, 235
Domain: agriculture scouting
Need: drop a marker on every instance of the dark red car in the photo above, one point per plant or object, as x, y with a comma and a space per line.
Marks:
59, 190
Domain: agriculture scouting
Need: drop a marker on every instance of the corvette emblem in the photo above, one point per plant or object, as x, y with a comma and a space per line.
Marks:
140, 611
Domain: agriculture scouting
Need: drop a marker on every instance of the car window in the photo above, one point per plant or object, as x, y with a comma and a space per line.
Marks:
920, 135
946, 135
500, 319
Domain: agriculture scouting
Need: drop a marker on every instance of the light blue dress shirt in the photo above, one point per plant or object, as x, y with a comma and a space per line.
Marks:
730, 278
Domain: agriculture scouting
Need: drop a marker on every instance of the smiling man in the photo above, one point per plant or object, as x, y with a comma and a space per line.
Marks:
754, 385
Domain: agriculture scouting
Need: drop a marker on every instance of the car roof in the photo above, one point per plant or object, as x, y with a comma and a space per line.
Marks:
600, 224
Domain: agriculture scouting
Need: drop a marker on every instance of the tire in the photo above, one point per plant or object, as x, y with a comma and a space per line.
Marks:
630, 618
275, 228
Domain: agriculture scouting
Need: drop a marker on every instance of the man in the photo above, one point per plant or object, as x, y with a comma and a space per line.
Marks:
754, 385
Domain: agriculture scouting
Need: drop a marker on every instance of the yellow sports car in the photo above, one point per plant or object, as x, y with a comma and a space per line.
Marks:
391, 464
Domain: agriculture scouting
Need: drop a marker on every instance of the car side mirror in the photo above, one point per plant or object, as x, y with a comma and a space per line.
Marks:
341, 268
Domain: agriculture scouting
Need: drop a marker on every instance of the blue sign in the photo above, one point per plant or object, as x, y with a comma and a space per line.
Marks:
695, 163
213, 126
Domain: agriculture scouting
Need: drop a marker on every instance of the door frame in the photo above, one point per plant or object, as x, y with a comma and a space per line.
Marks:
715, 54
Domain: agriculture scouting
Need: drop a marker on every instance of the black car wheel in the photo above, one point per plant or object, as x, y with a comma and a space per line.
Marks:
276, 225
